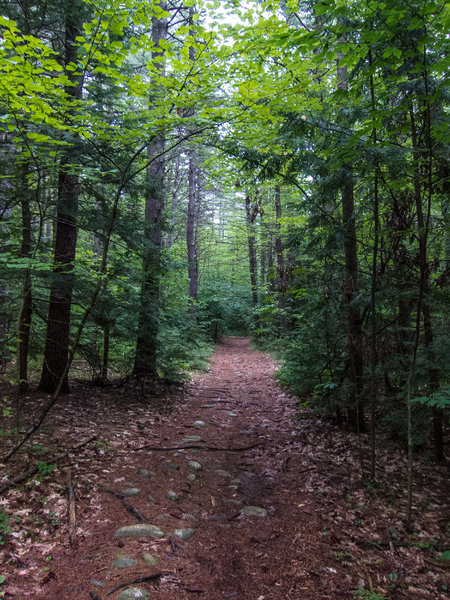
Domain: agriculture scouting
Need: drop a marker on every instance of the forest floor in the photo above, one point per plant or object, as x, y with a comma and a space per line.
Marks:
184, 465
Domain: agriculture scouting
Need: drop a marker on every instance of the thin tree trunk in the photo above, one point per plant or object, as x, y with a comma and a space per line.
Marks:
351, 289
271, 267
423, 221
354, 332
174, 203
26, 310
281, 270
104, 322
147, 339
58, 325
105, 358
190, 232
192, 201
437, 414
252, 260
400, 227
373, 290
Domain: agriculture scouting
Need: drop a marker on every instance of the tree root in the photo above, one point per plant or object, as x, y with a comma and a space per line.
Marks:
137, 580
194, 447
129, 507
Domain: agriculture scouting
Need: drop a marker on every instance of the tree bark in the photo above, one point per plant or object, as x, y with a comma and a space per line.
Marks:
423, 222
147, 338
351, 290
355, 411
190, 232
58, 325
26, 310
252, 259
281, 270
192, 201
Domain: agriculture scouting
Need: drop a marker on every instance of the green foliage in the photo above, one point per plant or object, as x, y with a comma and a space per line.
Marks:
283, 120
395, 423
4, 525
438, 399
363, 594
45, 469
223, 309
182, 348
6, 408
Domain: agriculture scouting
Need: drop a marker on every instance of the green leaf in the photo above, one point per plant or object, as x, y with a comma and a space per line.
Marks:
322, 7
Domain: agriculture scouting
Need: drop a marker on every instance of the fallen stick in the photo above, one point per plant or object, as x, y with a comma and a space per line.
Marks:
194, 447
129, 507
81, 444
444, 564
8, 483
71, 508
138, 580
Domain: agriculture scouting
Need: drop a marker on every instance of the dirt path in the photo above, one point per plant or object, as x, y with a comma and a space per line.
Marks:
230, 445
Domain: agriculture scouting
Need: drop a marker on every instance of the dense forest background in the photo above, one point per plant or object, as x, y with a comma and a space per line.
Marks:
172, 173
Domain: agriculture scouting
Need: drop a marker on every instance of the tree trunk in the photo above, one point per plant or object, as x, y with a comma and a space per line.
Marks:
58, 325
105, 358
271, 267
351, 289
192, 202
190, 232
423, 222
175, 182
26, 310
252, 260
147, 339
281, 270
354, 328
373, 294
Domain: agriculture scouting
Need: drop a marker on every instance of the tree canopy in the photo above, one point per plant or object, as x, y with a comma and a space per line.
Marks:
176, 172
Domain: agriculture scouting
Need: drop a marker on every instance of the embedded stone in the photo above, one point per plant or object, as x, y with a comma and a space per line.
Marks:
130, 492
184, 534
194, 465
223, 473
192, 439
192, 477
139, 530
123, 563
254, 511
150, 559
199, 424
133, 593
171, 495
144, 474
97, 583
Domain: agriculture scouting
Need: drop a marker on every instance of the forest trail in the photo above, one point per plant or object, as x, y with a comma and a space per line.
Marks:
187, 478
